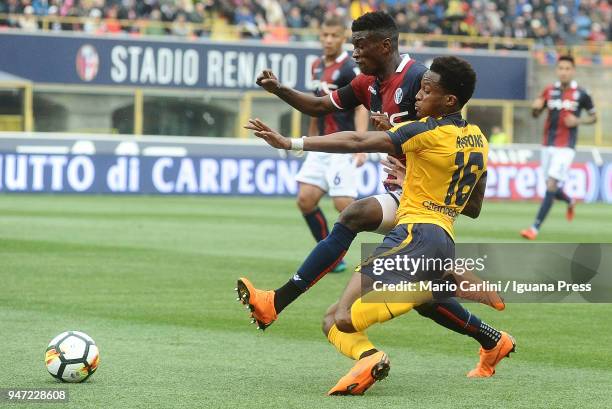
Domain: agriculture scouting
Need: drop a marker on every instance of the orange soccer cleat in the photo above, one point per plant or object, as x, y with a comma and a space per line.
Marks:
362, 375
571, 210
529, 234
261, 303
491, 357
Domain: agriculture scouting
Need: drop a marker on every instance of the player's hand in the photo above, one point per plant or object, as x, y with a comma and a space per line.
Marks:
538, 103
537, 106
571, 121
269, 135
268, 81
394, 167
380, 121
359, 159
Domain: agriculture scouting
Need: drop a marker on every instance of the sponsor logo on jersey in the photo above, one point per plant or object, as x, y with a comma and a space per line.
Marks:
448, 211
562, 104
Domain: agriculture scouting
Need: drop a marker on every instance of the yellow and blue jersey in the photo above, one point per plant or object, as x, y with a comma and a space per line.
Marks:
445, 157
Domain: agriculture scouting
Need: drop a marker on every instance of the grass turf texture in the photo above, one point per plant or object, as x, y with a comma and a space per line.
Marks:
151, 280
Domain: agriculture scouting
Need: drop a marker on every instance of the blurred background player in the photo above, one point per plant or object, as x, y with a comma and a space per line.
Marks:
564, 101
334, 174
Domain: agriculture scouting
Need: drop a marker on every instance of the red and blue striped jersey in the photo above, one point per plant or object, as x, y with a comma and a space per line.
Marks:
327, 79
395, 96
560, 103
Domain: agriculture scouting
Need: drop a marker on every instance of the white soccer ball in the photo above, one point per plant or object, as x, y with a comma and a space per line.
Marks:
72, 356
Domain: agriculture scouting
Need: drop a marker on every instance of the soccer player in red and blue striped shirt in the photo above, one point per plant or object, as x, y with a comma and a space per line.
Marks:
564, 101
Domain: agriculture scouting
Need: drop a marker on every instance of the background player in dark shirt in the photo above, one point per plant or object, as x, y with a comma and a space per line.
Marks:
375, 38
564, 101
334, 174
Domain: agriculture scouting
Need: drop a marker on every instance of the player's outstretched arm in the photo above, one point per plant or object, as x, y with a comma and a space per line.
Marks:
339, 142
474, 204
306, 103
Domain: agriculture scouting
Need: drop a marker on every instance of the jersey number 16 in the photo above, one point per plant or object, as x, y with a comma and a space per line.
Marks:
467, 180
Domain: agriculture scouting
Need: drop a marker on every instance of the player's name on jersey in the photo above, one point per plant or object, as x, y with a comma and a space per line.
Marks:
474, 141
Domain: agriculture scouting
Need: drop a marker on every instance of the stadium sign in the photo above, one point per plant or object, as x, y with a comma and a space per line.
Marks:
160, 175
60, 163
167, 62
526, 182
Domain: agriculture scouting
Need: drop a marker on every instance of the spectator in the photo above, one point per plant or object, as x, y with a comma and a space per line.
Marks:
181, 27
93, 23
155, 26
294, 19
549, 22
111, 24
27, 21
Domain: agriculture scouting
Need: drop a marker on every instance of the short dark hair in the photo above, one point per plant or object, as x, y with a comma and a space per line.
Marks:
456, 77
378, 22
334, 20
567, 58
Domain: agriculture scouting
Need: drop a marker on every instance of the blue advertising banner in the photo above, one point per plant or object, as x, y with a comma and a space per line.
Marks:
255, 175
161, 175
84, 59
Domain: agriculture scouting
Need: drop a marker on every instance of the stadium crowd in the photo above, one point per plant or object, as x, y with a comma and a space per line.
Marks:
549, 22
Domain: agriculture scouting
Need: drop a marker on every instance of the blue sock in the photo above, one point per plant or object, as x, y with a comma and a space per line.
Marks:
452, 315
321, 260
544, 208
317, 224
560, 195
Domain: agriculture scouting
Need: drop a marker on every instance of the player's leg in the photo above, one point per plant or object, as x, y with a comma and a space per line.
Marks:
346, 321
361, 215
341, 203
312, 186
372, 365
341, 178
494, 344
442, 308
567, 157
308, 202
558, 161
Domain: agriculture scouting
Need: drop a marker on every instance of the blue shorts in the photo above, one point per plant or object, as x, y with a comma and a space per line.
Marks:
411, 252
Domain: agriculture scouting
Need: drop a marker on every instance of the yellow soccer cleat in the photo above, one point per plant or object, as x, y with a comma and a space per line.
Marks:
491, 357
363, 375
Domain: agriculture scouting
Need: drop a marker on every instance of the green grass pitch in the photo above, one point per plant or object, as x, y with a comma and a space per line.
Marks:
151, 280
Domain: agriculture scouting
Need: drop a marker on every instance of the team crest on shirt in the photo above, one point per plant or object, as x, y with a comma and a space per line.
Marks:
335, 75
399, 94
372, 90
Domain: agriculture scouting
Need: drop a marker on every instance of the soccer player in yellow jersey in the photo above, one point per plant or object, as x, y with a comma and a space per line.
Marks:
446, 160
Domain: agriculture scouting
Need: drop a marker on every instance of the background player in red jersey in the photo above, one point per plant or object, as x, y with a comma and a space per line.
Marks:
388, 83
334, 174
564, 101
